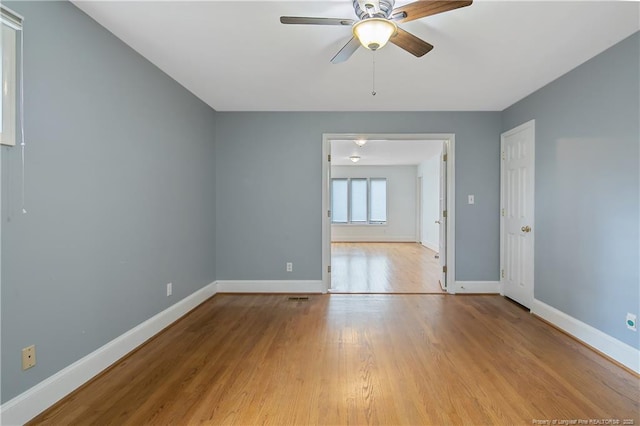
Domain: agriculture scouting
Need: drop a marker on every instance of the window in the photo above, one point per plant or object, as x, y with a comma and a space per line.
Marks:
361, 201
378, 200
339, 204
358, 200
10, 24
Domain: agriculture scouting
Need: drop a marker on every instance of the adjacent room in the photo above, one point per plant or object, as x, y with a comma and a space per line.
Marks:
319, 212
385, 215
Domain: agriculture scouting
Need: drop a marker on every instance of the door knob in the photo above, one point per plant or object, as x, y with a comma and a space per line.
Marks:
526, 228
438, 222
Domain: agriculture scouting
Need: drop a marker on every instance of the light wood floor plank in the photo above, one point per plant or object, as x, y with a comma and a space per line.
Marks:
384, 268
355, 359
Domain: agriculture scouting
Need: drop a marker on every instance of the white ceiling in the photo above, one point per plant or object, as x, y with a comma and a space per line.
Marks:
236, 56
382, 152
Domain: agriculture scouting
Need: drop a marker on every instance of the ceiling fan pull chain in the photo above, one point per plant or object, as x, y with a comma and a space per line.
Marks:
373, 83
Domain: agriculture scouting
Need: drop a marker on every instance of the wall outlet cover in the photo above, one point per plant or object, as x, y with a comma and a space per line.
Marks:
28, 357
631, 322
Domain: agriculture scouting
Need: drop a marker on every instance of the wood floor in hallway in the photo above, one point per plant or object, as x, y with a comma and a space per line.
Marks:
384, 268
357, 360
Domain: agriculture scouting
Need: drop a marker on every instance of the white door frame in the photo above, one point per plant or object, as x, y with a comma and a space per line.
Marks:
326, 180
419, 208
528, 124
442, 218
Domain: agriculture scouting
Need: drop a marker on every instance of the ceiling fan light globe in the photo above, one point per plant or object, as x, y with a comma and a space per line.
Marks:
374, 33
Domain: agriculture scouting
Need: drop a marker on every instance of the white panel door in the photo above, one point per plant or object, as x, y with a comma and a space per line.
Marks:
517, 210
443, 216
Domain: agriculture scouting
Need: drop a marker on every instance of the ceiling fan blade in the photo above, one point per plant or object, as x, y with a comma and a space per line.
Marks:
303, 20
412, 44
346, 51
421, 8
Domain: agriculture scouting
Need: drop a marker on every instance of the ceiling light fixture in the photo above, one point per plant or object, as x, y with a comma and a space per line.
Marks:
374, 33
354, 158
360, 142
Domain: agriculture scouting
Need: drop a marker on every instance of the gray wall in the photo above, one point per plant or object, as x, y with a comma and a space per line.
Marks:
120, 195
268, 188
587, 187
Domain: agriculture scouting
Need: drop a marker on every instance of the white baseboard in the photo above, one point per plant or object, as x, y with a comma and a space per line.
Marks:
431, 246
374, 239
477, 287
32, 402
270, 286
608, 345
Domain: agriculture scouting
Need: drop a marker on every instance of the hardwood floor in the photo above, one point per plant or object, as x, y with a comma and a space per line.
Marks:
384, 268
355, 359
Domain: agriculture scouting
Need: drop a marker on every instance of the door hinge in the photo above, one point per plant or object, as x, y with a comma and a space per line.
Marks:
329, 158
444, 157
444, 213
502, 273
328, 213
504, 157
502, 212
444, 269
329, 269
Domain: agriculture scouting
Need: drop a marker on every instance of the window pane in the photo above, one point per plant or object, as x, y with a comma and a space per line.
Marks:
1, 74
8, 83
3, 52
339, 200
358, 200
378, 200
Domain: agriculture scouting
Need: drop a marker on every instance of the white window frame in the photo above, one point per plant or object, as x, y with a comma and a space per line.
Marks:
348, 203
350, 200
368, 222
386, 202
11, 23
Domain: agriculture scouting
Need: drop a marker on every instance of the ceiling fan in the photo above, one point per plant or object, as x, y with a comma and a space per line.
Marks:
377, 24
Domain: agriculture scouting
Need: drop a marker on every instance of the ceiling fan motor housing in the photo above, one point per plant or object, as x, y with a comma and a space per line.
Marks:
385, 7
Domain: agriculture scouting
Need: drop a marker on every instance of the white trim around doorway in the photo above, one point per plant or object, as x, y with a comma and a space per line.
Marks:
326, 179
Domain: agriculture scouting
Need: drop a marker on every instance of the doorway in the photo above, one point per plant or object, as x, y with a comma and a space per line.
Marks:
385, 242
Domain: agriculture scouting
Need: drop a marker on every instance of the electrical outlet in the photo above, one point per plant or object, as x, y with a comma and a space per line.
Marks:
471, 199
28, 357
169, 289
631, 322
289, 267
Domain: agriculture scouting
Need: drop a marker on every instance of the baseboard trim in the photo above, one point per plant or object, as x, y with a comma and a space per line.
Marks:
33, 401
609, 346
373, 239
431, 246
477, 287
270, 286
